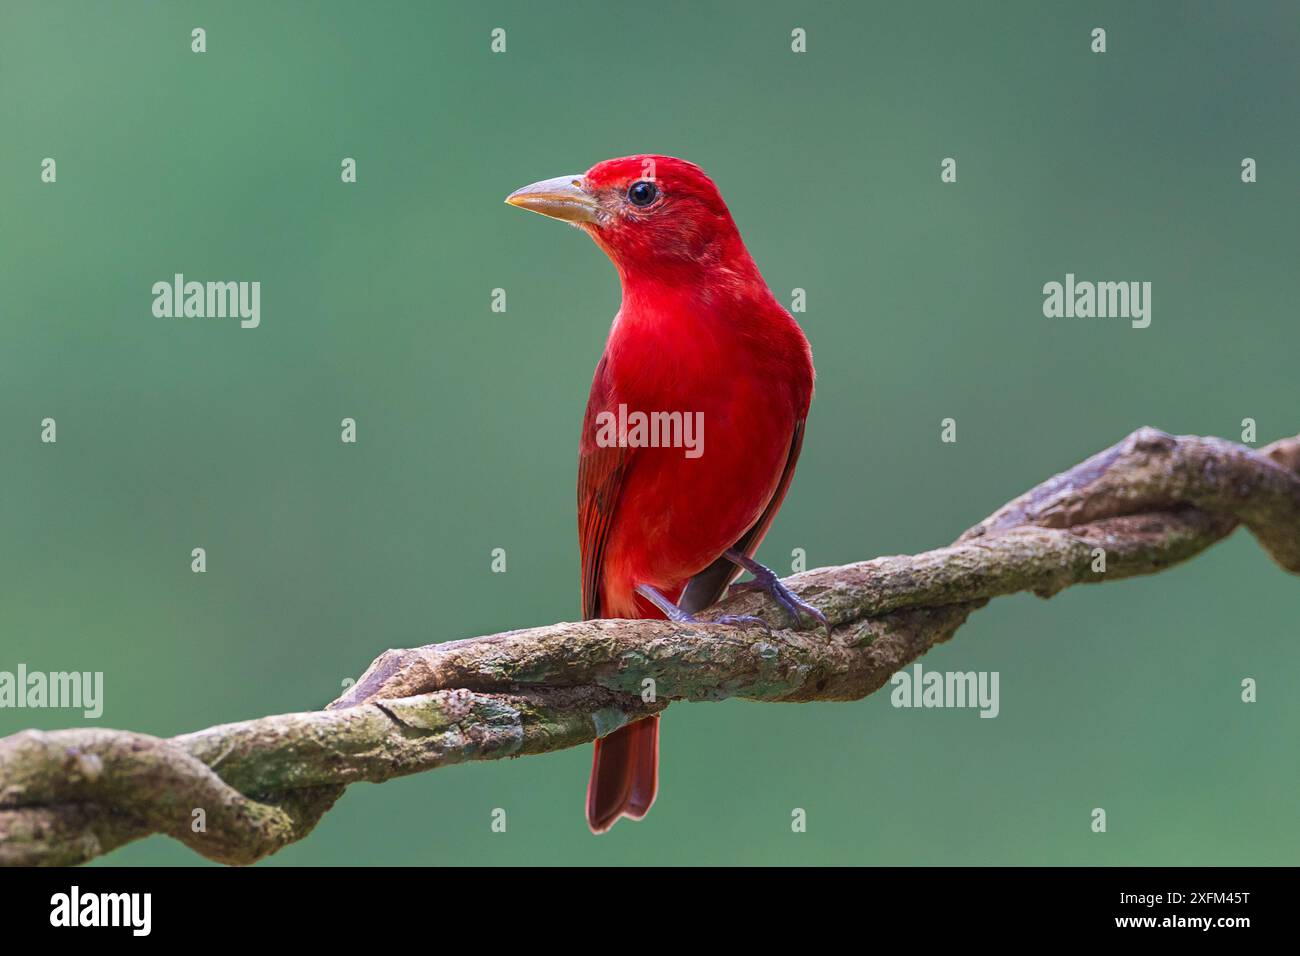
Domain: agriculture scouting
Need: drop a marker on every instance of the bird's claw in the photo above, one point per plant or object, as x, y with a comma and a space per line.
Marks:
797, 607
794, 606
765, 580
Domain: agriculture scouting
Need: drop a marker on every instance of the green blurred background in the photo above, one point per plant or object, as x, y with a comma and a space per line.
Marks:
924, 302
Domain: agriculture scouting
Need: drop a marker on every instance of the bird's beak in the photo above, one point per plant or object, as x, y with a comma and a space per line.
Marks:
560, 198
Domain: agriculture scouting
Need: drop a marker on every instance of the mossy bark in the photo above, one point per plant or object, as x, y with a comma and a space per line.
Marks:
1149, 502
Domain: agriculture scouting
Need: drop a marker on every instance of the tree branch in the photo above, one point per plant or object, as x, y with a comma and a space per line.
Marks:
1149, 502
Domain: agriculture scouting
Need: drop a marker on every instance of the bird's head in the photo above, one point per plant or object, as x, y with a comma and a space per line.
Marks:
651, 214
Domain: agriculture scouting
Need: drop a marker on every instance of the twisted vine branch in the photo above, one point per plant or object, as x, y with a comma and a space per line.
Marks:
1149, 502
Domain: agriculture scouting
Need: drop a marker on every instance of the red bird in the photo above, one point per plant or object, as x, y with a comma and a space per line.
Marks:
673, 502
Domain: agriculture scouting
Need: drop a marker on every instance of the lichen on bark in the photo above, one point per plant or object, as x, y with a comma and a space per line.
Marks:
1145, 504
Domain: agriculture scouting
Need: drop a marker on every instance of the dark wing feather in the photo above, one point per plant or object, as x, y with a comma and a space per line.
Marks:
600, 481
707, 587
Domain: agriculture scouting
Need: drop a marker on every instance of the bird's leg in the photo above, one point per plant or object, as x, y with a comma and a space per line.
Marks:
674, 613
765, 580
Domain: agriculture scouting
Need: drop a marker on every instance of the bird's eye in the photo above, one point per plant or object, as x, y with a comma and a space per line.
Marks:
642, 193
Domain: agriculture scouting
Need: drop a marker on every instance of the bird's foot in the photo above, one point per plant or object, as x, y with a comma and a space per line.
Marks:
675, 613
765, 580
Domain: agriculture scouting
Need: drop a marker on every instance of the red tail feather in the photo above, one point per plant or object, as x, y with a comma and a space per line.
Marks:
624, 774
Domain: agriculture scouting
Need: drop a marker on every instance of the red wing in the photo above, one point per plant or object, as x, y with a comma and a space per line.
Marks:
708, 586
600, 482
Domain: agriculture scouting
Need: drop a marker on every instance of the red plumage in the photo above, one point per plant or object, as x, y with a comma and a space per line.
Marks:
698, 331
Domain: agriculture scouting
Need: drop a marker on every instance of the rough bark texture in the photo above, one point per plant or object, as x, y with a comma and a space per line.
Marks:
1150, 502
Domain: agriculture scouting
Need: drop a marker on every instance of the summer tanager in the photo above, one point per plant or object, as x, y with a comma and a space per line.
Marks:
664, 529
